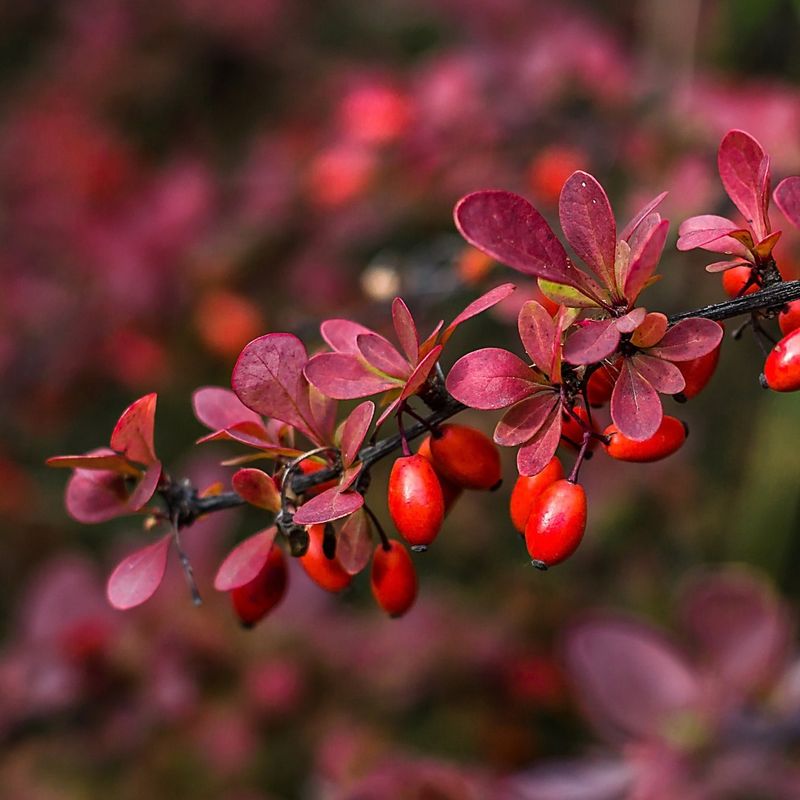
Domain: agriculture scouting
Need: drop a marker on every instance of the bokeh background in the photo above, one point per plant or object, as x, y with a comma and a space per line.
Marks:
179, 177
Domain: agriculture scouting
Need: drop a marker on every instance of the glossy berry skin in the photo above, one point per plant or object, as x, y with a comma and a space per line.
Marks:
600, 386
782, 367
450, 491
735, 279
698, 371
393, 579
466, 457
253, 601
669, 437
326, 572
415, 499
528, 488
572, 431
789, 319
556, 523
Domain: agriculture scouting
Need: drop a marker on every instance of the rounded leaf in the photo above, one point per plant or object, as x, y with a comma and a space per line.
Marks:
245, 561
137, 577
635, 404
257, 488
329, 505
218, 408
133, 433
490, 378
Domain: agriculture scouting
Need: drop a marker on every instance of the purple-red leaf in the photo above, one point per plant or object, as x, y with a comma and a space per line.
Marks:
406, 330
652, 330
252, 435
341, 334
354, 543
133, 434
588, 223
711, 232
635, 404
640, 216
533, 457
219, 408
257, 488
382, 355
109, 462
644, 261
146, 487
345, 377
629, 322
744, 170
484, 302
593, 340
349, 477
245, 561
415, 381
354, 429
584, 779
96, 496
538, 334
137, 577
688, 339
721, 266
330, 505
662, 375
629, 679
268, 378
787, 198
524, 419
490, 378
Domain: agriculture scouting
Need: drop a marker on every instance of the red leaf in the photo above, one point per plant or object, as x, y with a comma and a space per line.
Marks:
219, 408
644, 261
415, 381
484, 302
593, 341
587, 778
341, 334
508, 228
711, 233
252, 435
245, 561
635, 404
382, 355
257, 488
538, 334
534, 456
268, 378
662, 375
354, 429
106, 461
349, 477
344, 377
406, 330
744, 170
524, 419
787, 198
137, 577
354, 543
722, 266
588, 223
652, 330
96, 496
640, 216
629, 322
629, 679
490, 378
687, 339
133, 434
330, 505
146, 487
323, 411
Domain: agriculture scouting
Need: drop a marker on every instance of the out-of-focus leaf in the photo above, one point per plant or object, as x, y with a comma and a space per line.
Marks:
533, 457
787, 198
146, 487
640, 216
257, 488
341, 334
344, 377
644, 261
484, 302
687, 339
592, 341
711, 232
96, 496
406, 330
522, 421
538, 334
245, 561
572, 780
490, 378
383, 356
133, 434
662, 375
354, 429
635, 404
136, 578
354, 543
588, 223
744, 171
218, 408
110, 462
329, 505
629, 679
652, 330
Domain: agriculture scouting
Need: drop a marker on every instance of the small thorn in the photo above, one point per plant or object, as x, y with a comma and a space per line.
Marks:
539, 564
419, 548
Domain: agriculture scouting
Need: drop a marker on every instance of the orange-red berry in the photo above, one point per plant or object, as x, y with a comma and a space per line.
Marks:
393, 579
556, 523
450, 491
735, 279
253, 601
669, 437
466, 457
572, 431
528, 488
600, 386
782, 367
326, 572
789, 318
416, 502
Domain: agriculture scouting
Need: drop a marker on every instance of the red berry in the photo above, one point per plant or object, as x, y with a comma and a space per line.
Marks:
253, 601
528, 488
669, 437
600, 386
326, 572
416, 502
450, 491
572, 431
782, 367
393, 579
556, 523
698, 371
789, 318
735, 279
466, 457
